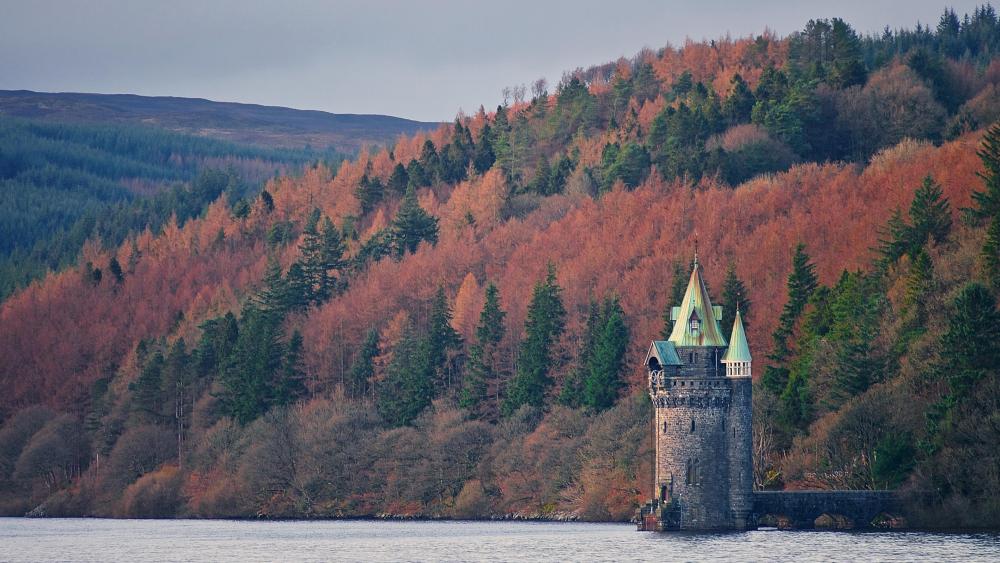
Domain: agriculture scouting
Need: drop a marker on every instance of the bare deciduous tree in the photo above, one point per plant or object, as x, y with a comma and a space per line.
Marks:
539, 88
519, 92
506, 94
763, 441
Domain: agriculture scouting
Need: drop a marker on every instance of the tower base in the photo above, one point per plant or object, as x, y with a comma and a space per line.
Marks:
657, 516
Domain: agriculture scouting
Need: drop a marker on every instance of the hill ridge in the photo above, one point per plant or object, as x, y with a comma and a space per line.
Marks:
260, 124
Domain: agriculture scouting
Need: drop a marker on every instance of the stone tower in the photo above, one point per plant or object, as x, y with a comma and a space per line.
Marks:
701, 390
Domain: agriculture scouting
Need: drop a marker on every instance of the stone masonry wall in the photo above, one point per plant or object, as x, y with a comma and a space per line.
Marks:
705, 402
741, 452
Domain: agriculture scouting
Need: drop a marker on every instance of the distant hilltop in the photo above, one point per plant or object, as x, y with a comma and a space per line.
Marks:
268, 126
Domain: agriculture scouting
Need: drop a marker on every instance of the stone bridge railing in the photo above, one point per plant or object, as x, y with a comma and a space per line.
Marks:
828, 509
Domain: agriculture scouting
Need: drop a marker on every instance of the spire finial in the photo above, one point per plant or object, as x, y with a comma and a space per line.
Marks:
696, 249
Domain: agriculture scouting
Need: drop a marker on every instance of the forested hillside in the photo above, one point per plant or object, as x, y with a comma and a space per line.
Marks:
454, 327
62, 184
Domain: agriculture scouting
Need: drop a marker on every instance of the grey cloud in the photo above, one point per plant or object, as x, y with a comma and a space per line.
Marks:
422, 60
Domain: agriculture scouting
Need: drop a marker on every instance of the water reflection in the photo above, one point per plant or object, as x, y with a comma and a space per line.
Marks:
246, 541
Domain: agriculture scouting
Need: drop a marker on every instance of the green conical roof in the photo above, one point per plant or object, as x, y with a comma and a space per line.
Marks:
739, 350
697, 305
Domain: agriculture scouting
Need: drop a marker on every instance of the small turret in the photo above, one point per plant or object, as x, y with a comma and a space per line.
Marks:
737, 358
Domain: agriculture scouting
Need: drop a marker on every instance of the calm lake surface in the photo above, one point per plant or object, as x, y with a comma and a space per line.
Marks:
225, 540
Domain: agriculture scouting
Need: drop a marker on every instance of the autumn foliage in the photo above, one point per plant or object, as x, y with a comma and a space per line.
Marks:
74, 340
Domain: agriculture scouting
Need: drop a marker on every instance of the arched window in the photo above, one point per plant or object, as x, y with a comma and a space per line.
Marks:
664, 426
695, 477
692, 425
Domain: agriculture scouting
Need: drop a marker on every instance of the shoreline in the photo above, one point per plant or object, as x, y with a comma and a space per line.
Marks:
525, 519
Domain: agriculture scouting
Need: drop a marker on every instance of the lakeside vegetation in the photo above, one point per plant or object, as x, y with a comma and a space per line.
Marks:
449, 328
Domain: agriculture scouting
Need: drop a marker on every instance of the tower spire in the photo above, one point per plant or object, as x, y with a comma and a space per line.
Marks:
697, 321
737, 357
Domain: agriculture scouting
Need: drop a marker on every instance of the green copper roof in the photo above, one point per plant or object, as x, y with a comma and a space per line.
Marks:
664, 352
697, 305
739, 350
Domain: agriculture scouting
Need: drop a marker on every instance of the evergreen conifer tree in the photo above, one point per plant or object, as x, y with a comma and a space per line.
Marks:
398, 180
483, 158
271, 299
846, 67
894, 238
177, 372
739, 103
987, 205
802, 282
430, 161
930, 214
987, 202
544, 326
463, 139
116, 270
369, 193
147, 389
500, 141
249, 373
542, 184
930, 218
991, 254
456, 156
218, 339
971, 346
312, 221
418, 175
298, 289
289, 383
409, 385
572, 394
330, 259
412, 225
442, 340
918, 284
267, 201
484, 371
734, 295
312, 252
970, 353
854, 370
363, 369
603, 380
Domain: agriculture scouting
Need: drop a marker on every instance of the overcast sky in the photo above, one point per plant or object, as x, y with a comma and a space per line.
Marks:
421, 60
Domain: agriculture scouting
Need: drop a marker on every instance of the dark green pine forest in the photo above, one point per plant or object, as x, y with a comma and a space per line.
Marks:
63, 184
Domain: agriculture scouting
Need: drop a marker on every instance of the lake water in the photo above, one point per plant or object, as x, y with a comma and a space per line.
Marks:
246, 541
